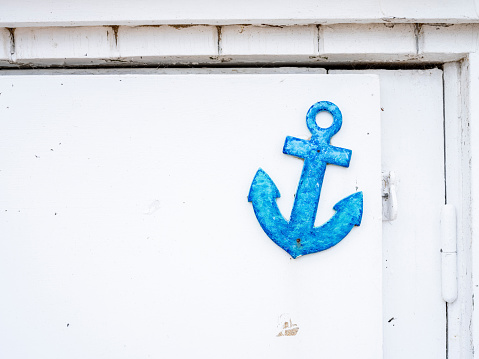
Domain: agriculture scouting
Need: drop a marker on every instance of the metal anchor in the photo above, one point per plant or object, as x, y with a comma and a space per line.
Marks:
299, 236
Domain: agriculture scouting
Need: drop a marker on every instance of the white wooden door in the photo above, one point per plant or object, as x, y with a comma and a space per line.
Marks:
413, 147
126, 230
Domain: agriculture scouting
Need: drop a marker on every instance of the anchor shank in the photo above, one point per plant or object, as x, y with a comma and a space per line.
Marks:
306, 201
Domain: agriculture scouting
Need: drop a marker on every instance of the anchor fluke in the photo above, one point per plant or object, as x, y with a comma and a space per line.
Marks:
352, 206
263, 193
262, 186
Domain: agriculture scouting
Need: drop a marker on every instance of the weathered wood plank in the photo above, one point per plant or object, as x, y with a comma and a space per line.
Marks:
256, 40
67, 44
149, 41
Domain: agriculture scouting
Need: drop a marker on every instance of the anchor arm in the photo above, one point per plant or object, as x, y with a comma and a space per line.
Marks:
330, 154
349, 212
297, 147
336, 155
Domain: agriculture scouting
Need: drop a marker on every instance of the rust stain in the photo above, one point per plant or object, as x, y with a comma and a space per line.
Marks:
115, 33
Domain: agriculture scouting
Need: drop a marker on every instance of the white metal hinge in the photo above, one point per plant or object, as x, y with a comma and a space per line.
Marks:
449, 253
390, 206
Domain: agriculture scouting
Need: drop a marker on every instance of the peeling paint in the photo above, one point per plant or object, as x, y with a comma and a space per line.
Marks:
219, 45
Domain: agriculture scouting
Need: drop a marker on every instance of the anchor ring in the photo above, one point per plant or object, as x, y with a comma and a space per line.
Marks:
330, 131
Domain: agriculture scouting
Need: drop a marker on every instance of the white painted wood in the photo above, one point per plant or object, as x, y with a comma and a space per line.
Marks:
169, 71
412, 146
255, 40
135, 42
149, 12
458, 194
463, 38
127, 232
396, 39
196, 45
55, 45
473, 114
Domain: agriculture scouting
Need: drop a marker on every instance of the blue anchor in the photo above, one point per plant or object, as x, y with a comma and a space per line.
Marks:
299, 236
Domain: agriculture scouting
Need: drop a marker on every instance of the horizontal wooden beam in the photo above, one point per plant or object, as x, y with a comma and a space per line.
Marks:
168, 45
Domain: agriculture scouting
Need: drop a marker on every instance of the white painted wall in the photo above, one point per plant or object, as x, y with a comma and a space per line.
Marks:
150, 12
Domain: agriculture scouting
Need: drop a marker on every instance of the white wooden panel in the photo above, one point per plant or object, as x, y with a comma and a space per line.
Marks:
254, 40
456, 38
151, 12
372, 38
167, 41
412, 146
58, 44
127, 232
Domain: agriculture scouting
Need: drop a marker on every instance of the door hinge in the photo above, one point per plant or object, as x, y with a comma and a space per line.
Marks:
390, 205
449, 253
